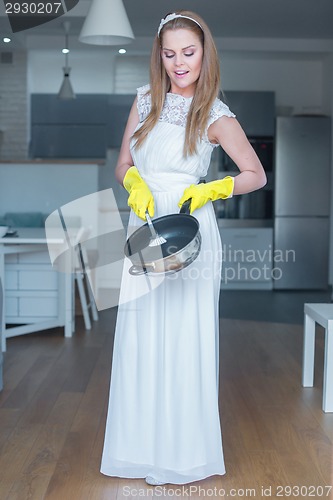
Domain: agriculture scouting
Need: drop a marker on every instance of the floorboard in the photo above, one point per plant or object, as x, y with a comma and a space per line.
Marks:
54, 405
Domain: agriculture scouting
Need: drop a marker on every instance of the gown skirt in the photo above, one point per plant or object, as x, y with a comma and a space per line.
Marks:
163, 414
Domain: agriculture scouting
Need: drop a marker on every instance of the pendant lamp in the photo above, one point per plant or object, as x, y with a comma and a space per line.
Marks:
66, 90
106, 24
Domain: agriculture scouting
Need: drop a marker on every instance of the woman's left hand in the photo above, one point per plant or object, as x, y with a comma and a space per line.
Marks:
203, 192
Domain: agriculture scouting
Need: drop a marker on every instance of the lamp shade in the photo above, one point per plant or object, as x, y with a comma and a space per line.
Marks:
106, 24
66, 90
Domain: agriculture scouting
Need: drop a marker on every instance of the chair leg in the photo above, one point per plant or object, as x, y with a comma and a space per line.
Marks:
73, 301
308, 351
328, 370
92, 302
83, 299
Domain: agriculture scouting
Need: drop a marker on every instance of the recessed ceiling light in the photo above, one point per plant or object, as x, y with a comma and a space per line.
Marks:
6, 39
65, 51
122, 51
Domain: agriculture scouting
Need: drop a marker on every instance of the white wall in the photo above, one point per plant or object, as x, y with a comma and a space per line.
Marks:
91, 71
297, 82
296, 79
44, 187
131, 72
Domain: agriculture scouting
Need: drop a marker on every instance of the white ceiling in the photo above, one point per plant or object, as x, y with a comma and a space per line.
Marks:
283, 19
243, 18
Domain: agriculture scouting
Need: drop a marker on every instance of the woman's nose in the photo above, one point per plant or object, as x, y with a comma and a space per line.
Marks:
179, 60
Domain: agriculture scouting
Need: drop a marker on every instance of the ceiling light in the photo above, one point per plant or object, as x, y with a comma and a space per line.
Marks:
106, 24
6, 39
122, 51
66, 90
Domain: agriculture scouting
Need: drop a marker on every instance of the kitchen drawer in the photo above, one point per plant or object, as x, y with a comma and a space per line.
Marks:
11, 307
11, 258
11, 280
247, 244
38, 307
243, 271
247, 258
38, 280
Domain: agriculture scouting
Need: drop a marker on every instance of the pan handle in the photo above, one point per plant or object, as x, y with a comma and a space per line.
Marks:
185, 208
138, 271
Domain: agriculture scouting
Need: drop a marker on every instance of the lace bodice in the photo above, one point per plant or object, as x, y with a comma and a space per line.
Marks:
176, 108
160, 159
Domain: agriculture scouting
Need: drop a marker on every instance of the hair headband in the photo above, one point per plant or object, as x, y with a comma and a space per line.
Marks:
170, 17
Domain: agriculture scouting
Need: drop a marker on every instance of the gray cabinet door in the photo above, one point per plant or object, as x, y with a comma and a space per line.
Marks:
85, 109
255, 110
80, 128
68, 141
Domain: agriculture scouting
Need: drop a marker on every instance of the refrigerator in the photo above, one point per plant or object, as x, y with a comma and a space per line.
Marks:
302, 202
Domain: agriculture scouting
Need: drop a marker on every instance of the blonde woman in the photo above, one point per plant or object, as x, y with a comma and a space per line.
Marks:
163, 419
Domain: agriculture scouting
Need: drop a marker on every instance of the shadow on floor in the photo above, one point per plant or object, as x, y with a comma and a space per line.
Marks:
271, 305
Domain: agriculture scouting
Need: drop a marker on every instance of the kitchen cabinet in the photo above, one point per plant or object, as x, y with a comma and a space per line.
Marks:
31, 288
255, 110
80, 128
247, 258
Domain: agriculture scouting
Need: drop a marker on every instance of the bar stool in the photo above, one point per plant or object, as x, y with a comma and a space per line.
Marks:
323, 315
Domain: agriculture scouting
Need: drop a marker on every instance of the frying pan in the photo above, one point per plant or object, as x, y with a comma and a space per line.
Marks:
182, 246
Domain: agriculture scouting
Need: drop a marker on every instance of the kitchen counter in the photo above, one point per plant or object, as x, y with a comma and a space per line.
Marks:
36, 296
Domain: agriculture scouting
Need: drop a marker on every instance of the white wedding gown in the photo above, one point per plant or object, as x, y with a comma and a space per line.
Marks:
163, 416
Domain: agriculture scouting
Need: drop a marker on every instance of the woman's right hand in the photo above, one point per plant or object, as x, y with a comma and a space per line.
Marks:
140, 197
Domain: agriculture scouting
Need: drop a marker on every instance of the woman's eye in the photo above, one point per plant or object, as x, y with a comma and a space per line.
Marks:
169, 56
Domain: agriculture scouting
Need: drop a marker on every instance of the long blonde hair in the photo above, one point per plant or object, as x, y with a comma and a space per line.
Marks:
207, 88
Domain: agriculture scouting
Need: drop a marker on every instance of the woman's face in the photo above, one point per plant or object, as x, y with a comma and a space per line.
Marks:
181, 54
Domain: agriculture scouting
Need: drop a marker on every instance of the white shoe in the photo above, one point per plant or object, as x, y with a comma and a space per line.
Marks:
153, 481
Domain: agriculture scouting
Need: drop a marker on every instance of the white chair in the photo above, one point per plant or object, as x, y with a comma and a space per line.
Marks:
323, 315
82, 277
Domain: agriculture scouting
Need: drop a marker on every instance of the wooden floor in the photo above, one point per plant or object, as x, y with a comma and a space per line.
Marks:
53, 410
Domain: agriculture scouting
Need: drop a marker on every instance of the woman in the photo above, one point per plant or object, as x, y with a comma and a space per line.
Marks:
163, 419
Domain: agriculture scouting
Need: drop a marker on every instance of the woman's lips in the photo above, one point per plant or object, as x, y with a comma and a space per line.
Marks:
181, 74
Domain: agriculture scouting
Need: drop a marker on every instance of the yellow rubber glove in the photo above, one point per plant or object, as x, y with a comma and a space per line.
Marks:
140, 197
203, 192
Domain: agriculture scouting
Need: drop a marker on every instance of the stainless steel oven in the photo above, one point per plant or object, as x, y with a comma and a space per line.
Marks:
258, 204
263, 146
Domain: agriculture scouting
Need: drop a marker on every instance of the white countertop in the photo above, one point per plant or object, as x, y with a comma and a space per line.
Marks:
26, 235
